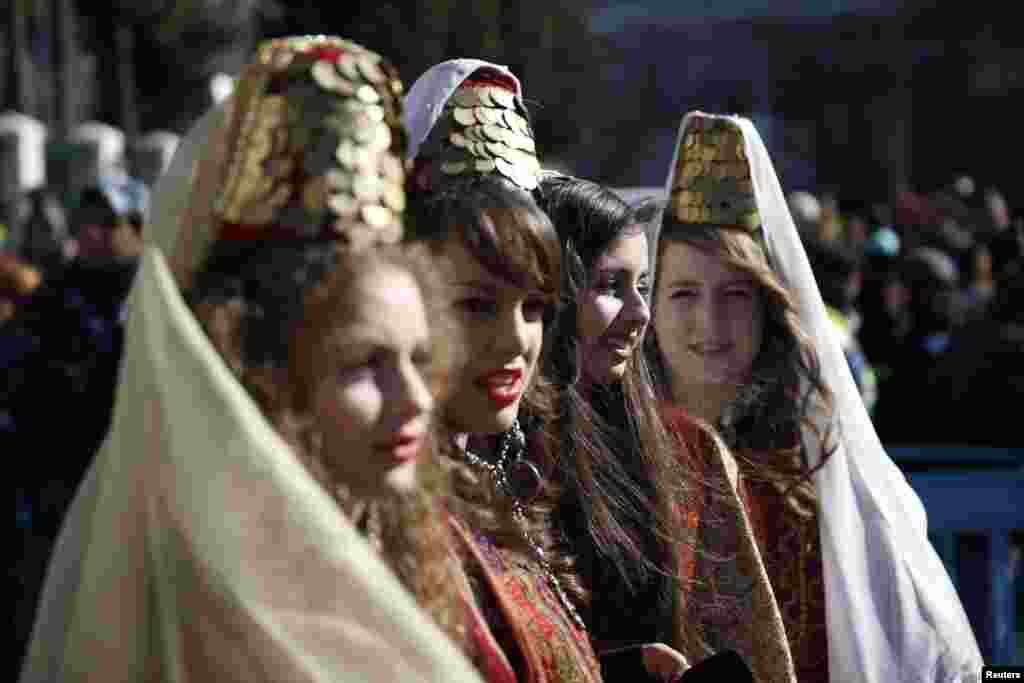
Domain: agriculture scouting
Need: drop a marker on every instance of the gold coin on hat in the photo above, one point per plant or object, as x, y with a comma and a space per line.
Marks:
393, 197
502, 97
370, 70
453, 167
343, 204
375, 215
465, 98
368, 94
337, 179
464, 116
367, 188
390, 168
348, 67
381, 140
326, 76
486, 115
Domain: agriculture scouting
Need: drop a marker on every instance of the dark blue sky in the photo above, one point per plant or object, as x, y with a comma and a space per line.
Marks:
609, 16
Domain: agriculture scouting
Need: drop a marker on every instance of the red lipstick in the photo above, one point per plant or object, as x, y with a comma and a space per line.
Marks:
503, 386
405, 446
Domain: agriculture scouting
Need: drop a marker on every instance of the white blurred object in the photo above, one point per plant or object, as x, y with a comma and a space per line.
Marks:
108, 140
30, 167
221, 87
805, 208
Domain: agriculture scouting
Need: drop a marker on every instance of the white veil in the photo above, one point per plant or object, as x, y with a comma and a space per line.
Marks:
198, 548
893, 614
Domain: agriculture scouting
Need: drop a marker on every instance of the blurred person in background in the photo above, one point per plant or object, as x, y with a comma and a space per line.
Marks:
65, 343
980, 381
837, 268
45, 240
17, 281
934, 308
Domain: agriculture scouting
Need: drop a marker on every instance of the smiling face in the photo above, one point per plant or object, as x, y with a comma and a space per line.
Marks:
611, 312
708, 320
372, 405
502, 325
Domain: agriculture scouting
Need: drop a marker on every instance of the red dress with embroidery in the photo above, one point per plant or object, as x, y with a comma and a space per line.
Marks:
787, 537
519, 629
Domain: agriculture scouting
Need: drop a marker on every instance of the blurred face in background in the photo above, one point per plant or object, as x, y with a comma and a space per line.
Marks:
103, 237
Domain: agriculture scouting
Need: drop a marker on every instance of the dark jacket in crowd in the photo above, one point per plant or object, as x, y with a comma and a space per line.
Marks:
59, 360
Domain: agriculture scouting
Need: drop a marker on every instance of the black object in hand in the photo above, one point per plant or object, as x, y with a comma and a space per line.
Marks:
723, 666
625, 664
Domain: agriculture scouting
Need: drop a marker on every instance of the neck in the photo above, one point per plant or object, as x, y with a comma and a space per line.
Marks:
704, 401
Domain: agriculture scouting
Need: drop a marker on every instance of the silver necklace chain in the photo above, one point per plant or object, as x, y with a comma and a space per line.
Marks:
499, 473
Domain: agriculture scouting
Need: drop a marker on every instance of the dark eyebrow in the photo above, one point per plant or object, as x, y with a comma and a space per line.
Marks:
683, 282
646, 272
488, 287
739, 281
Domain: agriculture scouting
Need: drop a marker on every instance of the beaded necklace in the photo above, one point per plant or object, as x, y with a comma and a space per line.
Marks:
519, 479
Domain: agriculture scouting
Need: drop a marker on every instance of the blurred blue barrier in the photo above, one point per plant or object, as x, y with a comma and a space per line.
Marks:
975, 503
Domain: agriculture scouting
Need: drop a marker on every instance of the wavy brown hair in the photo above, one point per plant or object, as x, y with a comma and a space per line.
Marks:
785, 390
271, 311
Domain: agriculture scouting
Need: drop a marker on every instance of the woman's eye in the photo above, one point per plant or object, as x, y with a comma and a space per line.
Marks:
738, 293
475, 305
355, 370
422, 358
683, 294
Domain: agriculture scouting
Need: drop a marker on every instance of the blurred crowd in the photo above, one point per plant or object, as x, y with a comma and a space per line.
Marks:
927, 295
69, 249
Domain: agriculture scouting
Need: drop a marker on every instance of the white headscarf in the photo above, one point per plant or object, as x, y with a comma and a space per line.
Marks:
424, 103
198, 547
892, 611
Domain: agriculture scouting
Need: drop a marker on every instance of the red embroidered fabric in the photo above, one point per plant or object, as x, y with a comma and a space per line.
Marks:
523, 615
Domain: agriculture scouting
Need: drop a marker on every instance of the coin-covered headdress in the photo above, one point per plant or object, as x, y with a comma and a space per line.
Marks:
710, 181
310, 146
467, 117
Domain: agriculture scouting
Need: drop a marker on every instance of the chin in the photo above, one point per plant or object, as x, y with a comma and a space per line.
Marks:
401, 480
484, 421
502, 420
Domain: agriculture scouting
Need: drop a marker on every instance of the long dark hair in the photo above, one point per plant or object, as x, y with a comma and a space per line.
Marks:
618, 473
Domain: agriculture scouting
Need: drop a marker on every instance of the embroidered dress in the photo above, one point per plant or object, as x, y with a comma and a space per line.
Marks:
525, 617
728, 590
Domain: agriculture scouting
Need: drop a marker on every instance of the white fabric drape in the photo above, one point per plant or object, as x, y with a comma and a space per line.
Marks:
198, 548
892, 611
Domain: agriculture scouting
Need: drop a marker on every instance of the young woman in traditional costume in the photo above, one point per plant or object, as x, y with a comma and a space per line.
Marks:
266, 462
742, 344
627, 487
618, 474
499, 255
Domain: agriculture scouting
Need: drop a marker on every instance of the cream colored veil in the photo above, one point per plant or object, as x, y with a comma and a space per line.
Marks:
198, 548
892, 612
